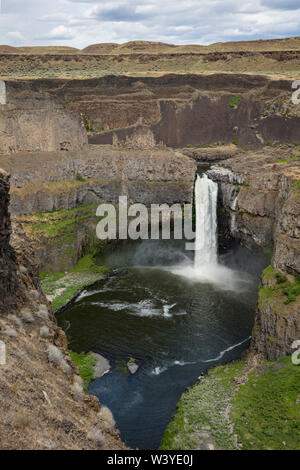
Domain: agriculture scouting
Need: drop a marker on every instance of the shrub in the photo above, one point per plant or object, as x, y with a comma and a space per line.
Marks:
22, 419
44, 332
280, 278
96, 436
10, 332
234, 101
18, 322
35, 294
107, 416
79, 177
43, 310
56, 357
77, 390
26, 315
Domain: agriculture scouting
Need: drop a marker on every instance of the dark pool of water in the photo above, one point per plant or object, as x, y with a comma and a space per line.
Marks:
174, 322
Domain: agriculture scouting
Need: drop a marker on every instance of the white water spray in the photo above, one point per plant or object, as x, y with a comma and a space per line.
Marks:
206, 194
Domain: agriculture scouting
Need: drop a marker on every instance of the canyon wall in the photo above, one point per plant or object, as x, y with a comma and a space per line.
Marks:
260, 195
55, 194
32, 121
42, 402
178, 110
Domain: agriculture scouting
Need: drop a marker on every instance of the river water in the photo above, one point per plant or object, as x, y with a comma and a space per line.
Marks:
175, 321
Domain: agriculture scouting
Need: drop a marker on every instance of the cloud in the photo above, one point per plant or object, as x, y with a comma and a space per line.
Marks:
121, 12
79, 23
281, 4
60, 32
15, 35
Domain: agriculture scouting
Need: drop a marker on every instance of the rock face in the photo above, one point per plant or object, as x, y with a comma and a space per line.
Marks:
73, 184
42, 402
54, 181
277, 323
260, 194
8, 270
179, 110
31, 121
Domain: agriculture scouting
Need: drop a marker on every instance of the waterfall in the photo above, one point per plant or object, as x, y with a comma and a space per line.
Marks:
206, 193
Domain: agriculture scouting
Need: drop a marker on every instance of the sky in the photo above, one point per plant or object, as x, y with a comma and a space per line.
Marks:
79, 23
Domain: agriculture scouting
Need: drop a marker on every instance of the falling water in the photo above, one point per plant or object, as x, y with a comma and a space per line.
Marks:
206, 193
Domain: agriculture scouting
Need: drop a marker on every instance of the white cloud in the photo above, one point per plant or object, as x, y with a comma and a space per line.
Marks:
60, 32
79, 23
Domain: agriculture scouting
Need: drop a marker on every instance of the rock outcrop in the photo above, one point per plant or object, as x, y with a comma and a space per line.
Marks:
42, 402
32, 121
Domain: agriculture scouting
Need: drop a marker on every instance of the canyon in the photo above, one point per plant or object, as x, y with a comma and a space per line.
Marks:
67, 145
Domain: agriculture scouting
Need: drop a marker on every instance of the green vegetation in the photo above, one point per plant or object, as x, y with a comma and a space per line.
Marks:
85, 364
58, 223
288, 159
286, 290
234, 101
65, 285
296, 186
235, 142
201, 409
268, 273
268, 252
80, 178
265, 411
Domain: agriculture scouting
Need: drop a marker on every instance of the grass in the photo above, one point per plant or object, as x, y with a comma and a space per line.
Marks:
234, 101
55, 223
85, 364
202, 408
266, 410
296, 186
73, 281
285, 289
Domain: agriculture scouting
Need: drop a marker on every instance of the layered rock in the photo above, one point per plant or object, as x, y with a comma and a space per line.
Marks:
41, 395
260, 195
179, 110
32, 121
73, 184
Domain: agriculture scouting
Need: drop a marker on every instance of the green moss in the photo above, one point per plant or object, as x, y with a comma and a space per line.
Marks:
85, 364
265, 293
268, 272
268, 252
290, 289
58, 224
79, 177
280, 278
234, 101
73, 281
265, 410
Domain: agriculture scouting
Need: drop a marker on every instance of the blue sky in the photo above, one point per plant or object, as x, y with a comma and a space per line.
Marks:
79, 23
